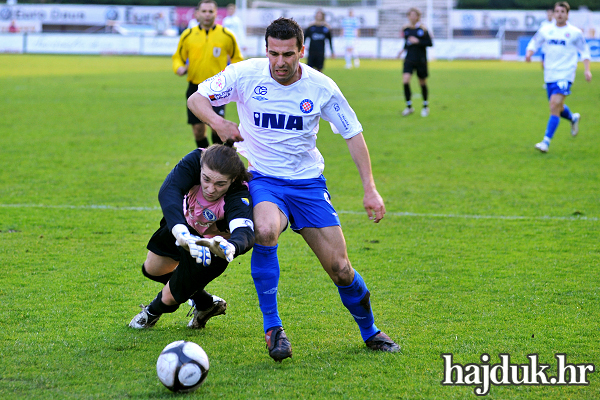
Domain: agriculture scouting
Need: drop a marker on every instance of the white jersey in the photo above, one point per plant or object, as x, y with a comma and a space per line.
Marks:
560, 46
279, 123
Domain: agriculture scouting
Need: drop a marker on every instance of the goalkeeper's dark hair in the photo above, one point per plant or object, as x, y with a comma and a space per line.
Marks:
284, 29
225, 160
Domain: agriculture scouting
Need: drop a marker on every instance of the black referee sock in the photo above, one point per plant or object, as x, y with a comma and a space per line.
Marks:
161, 279
424, 92
407, 94
203, 143
216, 139
157, 307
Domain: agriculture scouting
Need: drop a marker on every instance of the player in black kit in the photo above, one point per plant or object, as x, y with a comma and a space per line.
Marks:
318, 32
417, 40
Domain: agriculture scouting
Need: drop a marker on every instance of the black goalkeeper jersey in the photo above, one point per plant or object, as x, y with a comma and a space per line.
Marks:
416, 52
318, 34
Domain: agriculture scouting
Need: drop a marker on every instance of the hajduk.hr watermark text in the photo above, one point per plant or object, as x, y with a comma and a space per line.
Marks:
505, 373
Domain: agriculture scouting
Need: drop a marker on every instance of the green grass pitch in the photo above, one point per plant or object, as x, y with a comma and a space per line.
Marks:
488, 246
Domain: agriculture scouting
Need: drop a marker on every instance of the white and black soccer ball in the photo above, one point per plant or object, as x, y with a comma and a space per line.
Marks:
182, 366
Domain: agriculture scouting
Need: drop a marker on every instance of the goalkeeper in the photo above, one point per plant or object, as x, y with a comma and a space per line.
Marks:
196, 242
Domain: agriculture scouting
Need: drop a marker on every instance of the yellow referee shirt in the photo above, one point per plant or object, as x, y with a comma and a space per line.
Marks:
207, 51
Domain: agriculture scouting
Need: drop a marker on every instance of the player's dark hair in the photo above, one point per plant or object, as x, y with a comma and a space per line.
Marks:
225, 160
563, 4
207, 2
284, 29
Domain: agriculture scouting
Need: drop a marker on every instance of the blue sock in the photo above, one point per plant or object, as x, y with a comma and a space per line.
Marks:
265, 272
566, 113
356, 299
551, 127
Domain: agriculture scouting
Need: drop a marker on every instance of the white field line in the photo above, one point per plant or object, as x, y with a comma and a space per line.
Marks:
388, 214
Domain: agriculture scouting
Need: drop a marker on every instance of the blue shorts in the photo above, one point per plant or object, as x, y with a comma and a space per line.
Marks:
305, 202
559, 87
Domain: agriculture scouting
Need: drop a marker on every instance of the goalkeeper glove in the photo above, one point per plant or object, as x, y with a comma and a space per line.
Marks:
188, 241
221, 247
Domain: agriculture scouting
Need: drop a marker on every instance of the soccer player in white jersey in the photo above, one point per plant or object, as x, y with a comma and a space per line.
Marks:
280, 103
351, 32
560, 43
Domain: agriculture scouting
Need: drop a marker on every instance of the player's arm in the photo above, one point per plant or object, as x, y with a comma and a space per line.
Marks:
239, 216
372, 201
588, 73
180, 56
584, 51
202, 108
425, 41
534, 44
328, 37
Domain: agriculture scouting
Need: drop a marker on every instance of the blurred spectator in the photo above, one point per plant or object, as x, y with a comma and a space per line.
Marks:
162, 25
194, 21
350, 25
13, 27
235, 25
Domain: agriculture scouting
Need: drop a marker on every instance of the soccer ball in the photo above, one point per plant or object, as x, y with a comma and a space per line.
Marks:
182, 366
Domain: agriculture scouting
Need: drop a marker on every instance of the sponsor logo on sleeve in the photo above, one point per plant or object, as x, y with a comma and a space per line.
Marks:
219, 96
245, 201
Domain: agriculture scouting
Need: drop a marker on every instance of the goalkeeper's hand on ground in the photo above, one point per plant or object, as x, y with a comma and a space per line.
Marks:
188, 241
221, 247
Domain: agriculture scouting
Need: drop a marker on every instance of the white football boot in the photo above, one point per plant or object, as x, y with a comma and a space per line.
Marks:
575, 124
407, 111
144, 319
542, 146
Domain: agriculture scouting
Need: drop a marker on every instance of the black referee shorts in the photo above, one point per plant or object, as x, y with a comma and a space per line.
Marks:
189, 276
192, 119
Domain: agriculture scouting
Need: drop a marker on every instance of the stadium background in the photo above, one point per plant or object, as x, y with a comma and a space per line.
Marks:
464, 29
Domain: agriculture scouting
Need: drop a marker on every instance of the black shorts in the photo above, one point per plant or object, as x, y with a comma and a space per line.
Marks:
189, 276
316, 61
421, 67
192, 119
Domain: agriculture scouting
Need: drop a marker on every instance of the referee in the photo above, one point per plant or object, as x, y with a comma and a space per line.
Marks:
202, 52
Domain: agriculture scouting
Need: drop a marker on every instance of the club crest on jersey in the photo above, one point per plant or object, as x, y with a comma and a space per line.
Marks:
306, 106
218, 83
209, 215
216, 51
245, 201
